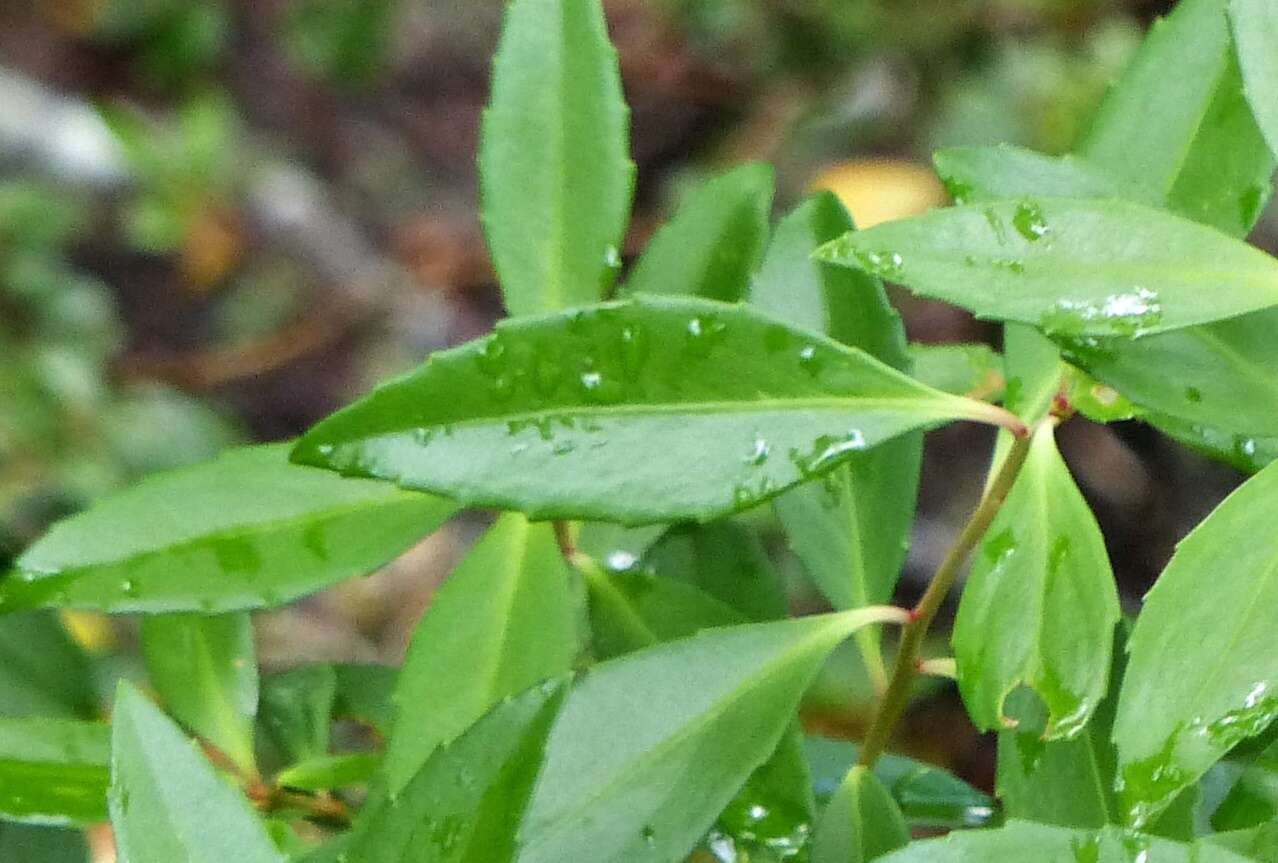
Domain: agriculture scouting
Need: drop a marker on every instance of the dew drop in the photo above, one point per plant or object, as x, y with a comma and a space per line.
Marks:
1193, 395
612, 258
129, 587
759, 452
810, 361
422, 436
634, 350
491, 358
1029, 222
649, 835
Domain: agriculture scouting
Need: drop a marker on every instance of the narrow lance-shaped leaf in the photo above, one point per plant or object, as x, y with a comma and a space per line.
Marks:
1255, 28
167, 802
467, 801
1004, 172
205, 671
247, 530
1201, 672
1069, 266
1040, 605
53, 771
699, 716
505, 620
851, 530
554, 167
651, 409
1023, 840
860, 823
715, 240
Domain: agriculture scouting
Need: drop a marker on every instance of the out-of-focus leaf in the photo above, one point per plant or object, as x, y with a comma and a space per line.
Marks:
1255, 843
42, 672
205, 671
248, 530
364, 693
167, 803
726, 561
1253, 800
53, 771
974, 174
330, 771
650, 409
22, 842
1201, 673
962, 369
715, 240
505, 620
555, 173
860, 823
296, 710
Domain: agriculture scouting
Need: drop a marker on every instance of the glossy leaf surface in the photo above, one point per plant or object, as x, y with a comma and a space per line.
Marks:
1040, 605
247, 530
860, 823
555, 173
503, 621
645, 410
700, 715
1201, 673
1069, 266
205, 671
167, 802
53, 771
715, 240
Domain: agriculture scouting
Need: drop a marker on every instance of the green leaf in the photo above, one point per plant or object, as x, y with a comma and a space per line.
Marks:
651, 409
726, 561
699, 716
715, 240
20, 842
1248, 453
42, 671
1201, 666
1253, 799
327, 772
1071, 267
772, 814
167, 803
979, 174
205, 671
247, 530
1255, 28
1177, 123
467, 801
1256, 843
296, 710
860, 823
928, 796
53, 771
1040, 605
1034, 372
851, 531
1024, 841
364, 694
505, 620
960, 369
555, 174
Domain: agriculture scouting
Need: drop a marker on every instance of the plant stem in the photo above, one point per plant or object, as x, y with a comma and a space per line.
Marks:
906, 666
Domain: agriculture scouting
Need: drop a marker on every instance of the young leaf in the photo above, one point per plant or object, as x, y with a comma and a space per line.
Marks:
42, 671
979, 174
555, 173
1255, 28
53, 771
860, 823
205, 671
468, 799
506, 619
699, 716
167, 803
1022, 840
1069, 266
714, 242
974, 370
296, 710
851, 531
651, 409
928, 796
1202, 668
247, 530
1040, 605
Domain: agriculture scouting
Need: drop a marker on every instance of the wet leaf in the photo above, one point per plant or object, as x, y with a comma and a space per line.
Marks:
53, 771
1040, 605
555, 173
715, 240
860, 823
1071, 267
167, 803
503, 621
1004, 172
646, 410
205, 671
247, 530
1201, 673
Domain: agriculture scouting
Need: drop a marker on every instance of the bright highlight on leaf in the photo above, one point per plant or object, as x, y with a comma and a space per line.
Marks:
650, 409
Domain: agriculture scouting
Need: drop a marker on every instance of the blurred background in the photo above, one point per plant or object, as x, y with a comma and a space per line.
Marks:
222, 219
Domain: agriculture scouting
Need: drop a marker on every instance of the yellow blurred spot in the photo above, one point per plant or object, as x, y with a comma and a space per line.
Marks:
213, 247
92, 631
882, 190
